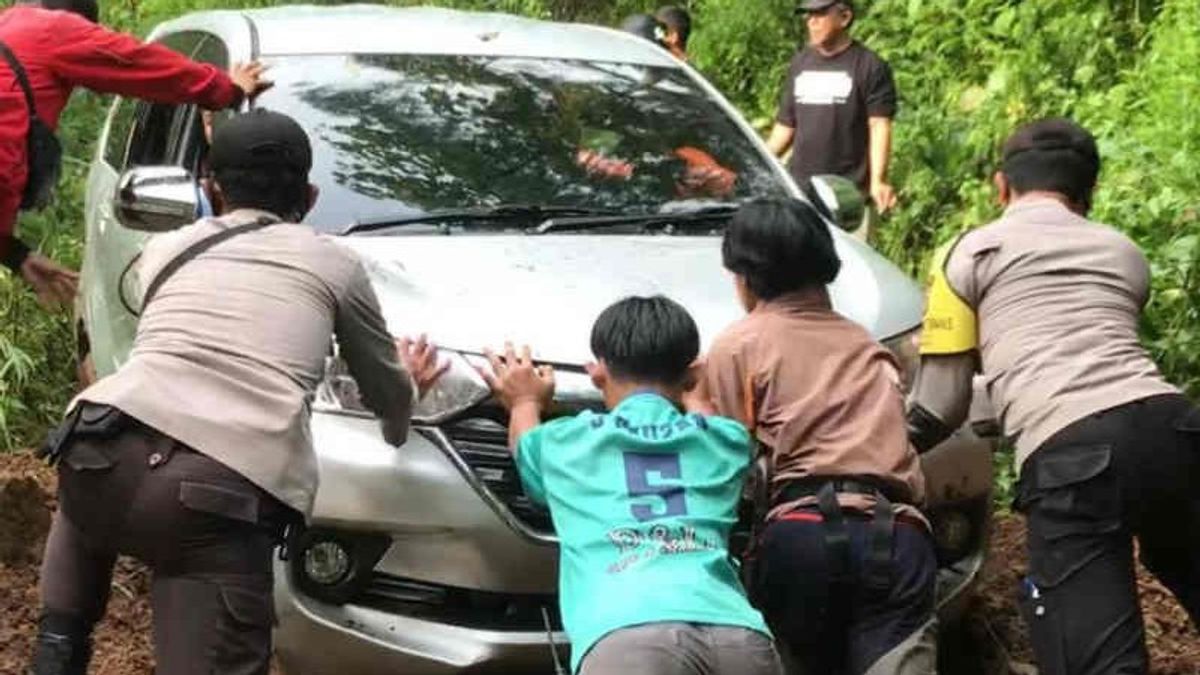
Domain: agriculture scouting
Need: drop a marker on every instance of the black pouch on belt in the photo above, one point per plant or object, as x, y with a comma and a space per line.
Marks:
86, 420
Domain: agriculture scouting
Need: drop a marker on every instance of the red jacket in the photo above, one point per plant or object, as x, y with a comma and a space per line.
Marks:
61, 51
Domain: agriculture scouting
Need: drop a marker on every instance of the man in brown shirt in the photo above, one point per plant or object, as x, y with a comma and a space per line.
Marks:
847, 565
196, 453
1046, 303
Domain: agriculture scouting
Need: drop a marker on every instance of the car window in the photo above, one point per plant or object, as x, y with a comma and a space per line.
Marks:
160, 131
406, 134
117, 146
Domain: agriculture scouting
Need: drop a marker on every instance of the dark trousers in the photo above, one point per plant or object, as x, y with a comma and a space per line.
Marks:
1132, 471
847, 628
205, 531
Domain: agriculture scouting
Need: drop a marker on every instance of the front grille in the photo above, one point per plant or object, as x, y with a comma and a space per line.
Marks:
481, 610
483, 445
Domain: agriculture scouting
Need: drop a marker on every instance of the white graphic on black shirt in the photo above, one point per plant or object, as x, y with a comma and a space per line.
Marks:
823, 87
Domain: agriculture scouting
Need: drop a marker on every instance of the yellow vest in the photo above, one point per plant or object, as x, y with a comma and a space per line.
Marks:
950, 325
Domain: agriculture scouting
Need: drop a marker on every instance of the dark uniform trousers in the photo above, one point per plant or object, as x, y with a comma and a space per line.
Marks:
206, 532
1131, 471
849, 628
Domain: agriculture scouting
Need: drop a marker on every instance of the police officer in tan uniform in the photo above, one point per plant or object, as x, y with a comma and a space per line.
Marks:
1045, 304
196, 454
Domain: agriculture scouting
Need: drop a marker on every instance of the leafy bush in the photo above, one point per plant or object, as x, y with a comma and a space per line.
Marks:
969, 71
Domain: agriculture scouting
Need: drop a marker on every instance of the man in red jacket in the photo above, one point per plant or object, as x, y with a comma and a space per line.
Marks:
60, 46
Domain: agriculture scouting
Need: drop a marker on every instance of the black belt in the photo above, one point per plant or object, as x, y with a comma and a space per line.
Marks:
803, 488
877, 571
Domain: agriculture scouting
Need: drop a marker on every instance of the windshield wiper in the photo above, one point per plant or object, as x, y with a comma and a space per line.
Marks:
504, 212
667, 220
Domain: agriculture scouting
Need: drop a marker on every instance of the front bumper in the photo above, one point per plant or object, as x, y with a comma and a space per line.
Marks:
315, 638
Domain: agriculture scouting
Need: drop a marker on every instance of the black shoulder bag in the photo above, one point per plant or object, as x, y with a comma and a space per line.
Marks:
44, 150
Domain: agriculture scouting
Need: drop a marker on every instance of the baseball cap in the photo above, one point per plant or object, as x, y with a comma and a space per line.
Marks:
260, 139
818, 5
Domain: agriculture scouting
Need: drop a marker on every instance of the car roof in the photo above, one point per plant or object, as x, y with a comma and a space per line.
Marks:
375, 29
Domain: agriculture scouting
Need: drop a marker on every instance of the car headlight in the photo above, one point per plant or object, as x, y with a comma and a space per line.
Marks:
459, 389
907, 349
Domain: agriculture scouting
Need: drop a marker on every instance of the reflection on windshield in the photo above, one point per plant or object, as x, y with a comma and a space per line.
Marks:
407, 134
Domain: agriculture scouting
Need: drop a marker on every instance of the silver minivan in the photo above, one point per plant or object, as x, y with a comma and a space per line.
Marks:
503, 179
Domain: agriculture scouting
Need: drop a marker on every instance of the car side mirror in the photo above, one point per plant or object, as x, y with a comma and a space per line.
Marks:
842, 198
156, 198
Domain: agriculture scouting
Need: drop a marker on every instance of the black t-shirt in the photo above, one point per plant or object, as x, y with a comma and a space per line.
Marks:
828, 100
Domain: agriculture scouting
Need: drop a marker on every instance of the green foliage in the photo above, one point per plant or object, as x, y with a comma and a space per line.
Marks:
37, 348
969, 71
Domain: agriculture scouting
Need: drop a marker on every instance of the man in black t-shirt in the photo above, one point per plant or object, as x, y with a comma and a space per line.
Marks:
837, 106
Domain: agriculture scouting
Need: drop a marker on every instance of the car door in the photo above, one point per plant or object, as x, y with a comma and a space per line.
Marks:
138, 133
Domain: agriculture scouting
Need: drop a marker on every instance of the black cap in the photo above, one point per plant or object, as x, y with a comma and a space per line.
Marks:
260, 139
818, 5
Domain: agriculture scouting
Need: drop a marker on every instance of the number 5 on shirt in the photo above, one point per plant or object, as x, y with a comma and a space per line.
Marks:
640, 467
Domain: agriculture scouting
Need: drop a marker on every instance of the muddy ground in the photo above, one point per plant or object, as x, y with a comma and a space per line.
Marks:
992, 641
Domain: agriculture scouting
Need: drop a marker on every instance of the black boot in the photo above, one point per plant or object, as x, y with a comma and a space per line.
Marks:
64, 646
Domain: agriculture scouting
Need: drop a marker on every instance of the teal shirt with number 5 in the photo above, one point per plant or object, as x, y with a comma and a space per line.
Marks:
643, 500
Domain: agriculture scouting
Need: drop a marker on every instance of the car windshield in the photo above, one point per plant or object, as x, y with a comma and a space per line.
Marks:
397, 136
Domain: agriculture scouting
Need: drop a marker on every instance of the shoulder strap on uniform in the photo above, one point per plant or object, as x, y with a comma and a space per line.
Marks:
15, 64
196, 249
950, 325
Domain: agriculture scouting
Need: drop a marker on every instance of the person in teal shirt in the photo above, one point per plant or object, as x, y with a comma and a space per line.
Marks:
643, 499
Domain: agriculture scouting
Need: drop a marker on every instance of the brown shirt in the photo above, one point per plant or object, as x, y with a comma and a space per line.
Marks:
818, 391
229, 353
1058, 299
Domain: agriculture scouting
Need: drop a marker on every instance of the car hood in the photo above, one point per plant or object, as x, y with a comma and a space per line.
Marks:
470, 292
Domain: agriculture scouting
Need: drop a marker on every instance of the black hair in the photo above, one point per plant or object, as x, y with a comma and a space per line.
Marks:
652, 340
88, 9
282, 191
849, 7
779, 246
678, 20
646, 27
1053, 155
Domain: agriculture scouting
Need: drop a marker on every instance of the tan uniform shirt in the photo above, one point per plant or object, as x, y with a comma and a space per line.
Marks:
1058, 299
229, 353
820, 392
